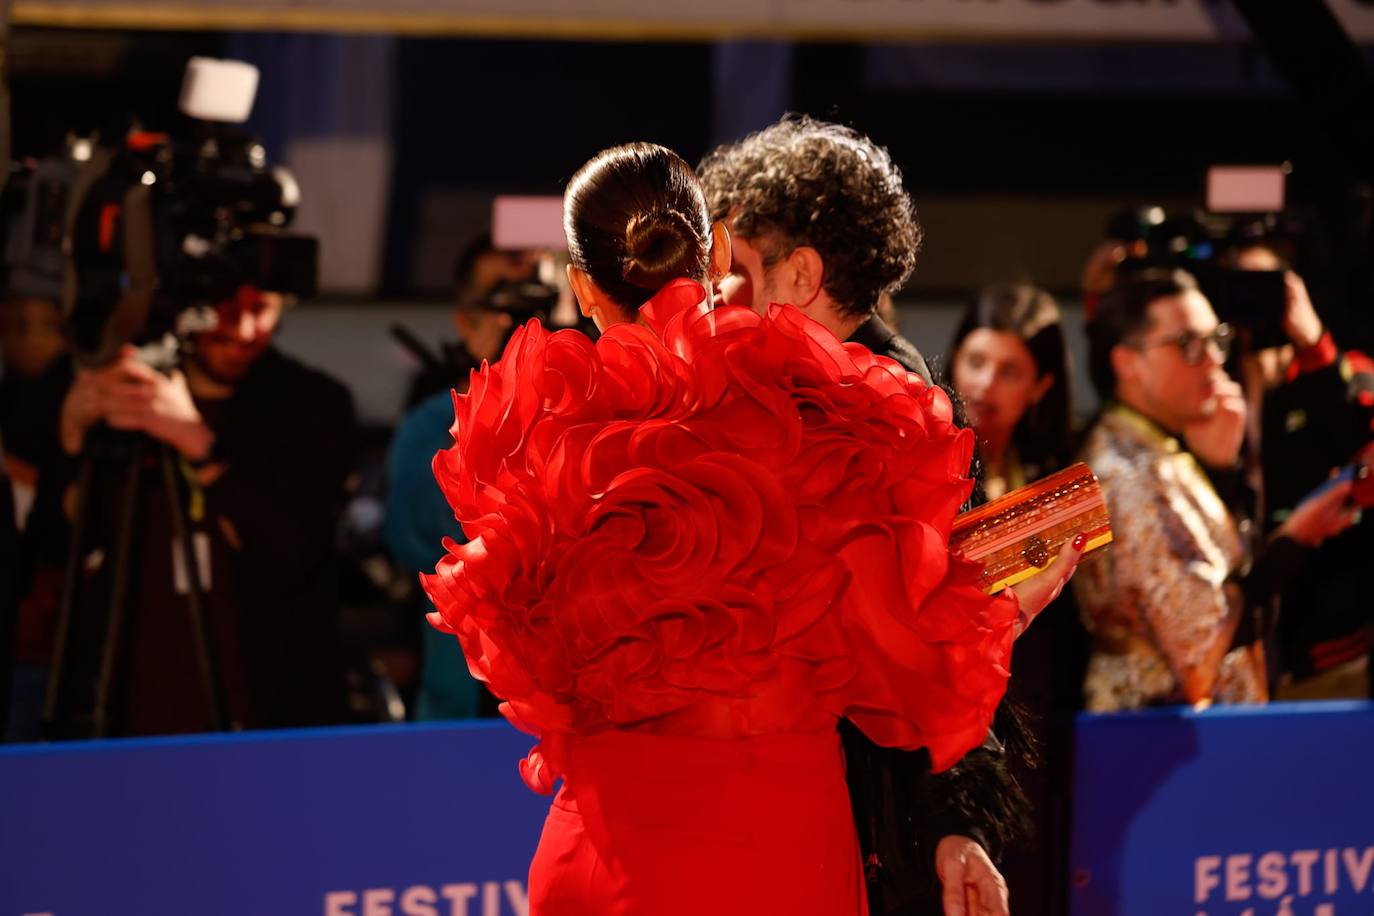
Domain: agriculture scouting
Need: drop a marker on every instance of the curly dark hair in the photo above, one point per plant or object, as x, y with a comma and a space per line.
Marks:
803, 182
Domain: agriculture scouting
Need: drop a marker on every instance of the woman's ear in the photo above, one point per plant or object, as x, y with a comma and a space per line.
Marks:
593, 302
1042, 387
581, 286
720, 251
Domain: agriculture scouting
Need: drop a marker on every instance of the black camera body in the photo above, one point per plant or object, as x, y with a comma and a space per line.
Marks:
169, 229
523, 300
1253, 301
139, 242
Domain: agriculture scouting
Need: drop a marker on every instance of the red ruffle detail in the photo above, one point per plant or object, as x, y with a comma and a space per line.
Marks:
686, 506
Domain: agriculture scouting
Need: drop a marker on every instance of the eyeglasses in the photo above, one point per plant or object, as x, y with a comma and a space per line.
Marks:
1193, 346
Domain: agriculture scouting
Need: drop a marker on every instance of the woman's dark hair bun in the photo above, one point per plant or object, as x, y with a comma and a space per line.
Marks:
657, 245
636, 220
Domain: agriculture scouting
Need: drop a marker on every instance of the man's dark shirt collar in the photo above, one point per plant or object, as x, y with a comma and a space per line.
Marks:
883, 341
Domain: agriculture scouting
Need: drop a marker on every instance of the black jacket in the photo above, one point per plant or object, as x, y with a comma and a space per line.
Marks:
901, 808
1317, 420
267, 528
882, 340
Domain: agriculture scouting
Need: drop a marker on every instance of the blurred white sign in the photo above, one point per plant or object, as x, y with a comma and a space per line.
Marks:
1245, 188
519, 222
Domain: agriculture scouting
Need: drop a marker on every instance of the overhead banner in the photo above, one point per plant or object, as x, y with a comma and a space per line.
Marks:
1238, 811
955, 20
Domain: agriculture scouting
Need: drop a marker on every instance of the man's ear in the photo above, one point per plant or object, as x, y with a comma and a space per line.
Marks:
803, 275
720, 251
1125, 363
462, 320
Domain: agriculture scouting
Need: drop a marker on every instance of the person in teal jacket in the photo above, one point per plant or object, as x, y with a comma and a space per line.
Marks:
418, 518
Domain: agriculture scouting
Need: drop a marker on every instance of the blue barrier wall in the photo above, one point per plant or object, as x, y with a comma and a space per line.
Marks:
1232, 812
380, 821
1258, 811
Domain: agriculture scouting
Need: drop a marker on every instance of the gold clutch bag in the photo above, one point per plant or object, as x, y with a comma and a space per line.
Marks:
1020, 533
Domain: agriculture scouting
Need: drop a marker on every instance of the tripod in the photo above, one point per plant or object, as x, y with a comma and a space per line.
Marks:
123, 454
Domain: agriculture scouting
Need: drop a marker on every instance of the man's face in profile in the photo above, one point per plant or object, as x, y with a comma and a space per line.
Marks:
748, 283
1174, 391
246, 326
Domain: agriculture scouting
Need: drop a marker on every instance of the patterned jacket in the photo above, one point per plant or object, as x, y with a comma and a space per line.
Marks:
1160, 598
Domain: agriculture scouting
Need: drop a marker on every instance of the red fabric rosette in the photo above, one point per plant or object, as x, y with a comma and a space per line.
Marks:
687, 506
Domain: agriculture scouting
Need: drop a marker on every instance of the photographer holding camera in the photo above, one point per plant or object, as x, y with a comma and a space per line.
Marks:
202, 471
265, 444
1313, 410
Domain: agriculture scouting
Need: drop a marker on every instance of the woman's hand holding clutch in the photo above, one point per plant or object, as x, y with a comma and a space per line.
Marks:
1039, 590
1031, 539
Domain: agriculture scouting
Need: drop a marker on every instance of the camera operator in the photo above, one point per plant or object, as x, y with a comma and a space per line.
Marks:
265, 444
479, 269
1313, 406
418, 517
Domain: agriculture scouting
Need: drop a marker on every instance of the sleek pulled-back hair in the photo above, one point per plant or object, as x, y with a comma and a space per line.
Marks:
808, 183
1042, 435
636, 218
1124, 314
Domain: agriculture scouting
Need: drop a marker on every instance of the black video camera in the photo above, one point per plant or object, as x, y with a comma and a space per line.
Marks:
139, 243
1203, 244
523, 300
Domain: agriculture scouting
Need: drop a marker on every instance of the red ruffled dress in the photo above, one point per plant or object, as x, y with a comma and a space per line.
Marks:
695, 544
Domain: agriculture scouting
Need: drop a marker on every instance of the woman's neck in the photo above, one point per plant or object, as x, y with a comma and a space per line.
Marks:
992, 448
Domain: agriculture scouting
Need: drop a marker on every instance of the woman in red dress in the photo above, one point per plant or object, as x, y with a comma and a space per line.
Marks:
694, 546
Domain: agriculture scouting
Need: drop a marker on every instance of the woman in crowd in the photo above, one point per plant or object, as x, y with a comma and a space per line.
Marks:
694, 546
1010, 367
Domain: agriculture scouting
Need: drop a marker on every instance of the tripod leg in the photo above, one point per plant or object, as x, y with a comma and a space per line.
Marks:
195, 601
119, 595
71, 576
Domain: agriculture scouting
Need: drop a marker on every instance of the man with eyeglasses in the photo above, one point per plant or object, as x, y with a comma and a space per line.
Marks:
1173, 607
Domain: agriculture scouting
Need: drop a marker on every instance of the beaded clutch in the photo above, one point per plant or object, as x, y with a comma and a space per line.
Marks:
1017, 535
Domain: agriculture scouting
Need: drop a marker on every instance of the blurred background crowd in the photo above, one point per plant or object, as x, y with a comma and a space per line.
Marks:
215, 517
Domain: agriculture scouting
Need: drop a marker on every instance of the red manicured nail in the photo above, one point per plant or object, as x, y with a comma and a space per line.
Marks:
1080, 540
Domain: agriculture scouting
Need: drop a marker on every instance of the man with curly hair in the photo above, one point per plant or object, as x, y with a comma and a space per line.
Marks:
819, 218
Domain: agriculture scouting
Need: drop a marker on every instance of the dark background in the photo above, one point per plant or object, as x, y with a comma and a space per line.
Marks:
1063, 133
